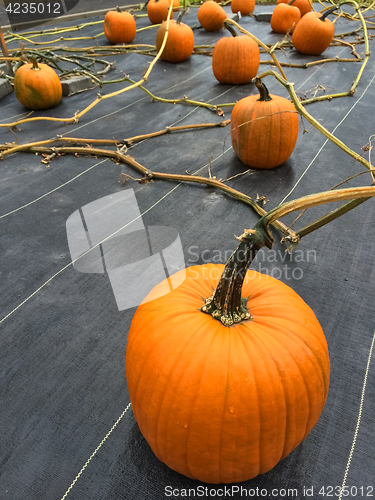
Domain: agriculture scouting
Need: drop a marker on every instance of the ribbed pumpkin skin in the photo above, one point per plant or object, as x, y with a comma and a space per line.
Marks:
283, 17
303, 5
313, 36
235, 59
37, 89
211, 16
119, 27
224, 404
157, 11
180, 42
246, 7
267, 142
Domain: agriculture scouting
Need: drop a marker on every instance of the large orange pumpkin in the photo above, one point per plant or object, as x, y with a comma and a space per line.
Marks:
303, 5
37, 86
264, 130
235, 59
119, 26
223, 404
211, 16
245, 7
314, 33
284, 17
180, 42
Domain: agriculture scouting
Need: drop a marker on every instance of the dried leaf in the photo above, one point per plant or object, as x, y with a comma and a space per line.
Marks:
124, 179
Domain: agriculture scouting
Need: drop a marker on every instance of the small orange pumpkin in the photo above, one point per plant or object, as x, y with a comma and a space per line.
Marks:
157, 11
119, 26
180, 42
211, 16
222, 403
245, 7
284, 17
235, 59
303, 5
37, 86
264, 130
313, 33
176, 5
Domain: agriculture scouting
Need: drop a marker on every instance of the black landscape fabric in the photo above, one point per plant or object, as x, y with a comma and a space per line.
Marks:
67, 315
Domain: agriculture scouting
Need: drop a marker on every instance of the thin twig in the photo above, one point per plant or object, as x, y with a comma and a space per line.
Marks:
311, 63
8, 149
314, 200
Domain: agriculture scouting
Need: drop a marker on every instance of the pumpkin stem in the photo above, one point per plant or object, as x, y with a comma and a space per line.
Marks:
226, 304
328, 12
35, 66
118, 9
180, 15
291, 2
230, 28
263, 90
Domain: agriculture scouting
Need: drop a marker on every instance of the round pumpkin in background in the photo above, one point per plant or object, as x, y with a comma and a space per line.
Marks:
37, 86
245, 7
235, 59
157, 11
264, 130
119, 26
284, 17
314, 33
211, 16
176, 5
303, 5
223, 404
180, 41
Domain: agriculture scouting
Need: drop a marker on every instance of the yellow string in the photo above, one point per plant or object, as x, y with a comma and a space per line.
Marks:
96, 450
358, 419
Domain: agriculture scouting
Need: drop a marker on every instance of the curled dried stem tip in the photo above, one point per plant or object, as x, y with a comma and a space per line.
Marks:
245, 234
